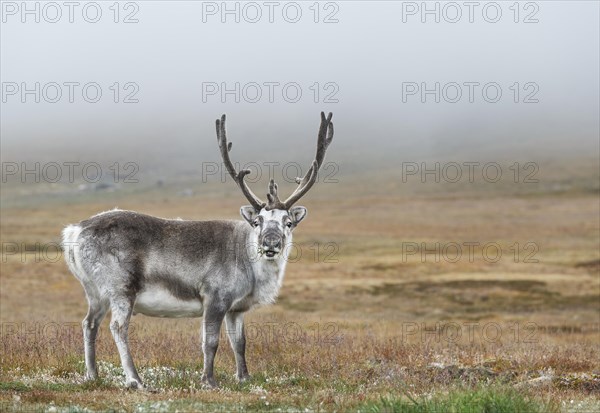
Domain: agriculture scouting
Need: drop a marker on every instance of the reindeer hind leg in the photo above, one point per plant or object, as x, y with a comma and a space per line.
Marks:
91, 323
121, 309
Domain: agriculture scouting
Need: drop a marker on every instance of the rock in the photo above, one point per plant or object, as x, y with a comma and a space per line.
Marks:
538, 382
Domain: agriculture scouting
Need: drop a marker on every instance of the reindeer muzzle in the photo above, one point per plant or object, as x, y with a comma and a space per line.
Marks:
271, 244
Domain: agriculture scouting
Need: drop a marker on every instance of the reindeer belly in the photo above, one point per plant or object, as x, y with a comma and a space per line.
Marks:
158, 302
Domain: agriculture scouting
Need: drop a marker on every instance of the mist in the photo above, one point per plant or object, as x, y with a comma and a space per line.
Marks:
361, 61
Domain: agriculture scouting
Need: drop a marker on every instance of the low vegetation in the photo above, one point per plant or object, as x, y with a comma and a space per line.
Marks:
362, 323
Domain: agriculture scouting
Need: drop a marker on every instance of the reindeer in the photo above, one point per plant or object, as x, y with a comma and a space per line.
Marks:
134, 263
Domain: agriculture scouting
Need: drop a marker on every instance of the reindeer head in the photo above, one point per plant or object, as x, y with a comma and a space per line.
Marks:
274, 221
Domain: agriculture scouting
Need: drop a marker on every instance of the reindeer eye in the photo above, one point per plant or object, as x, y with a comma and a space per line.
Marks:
256, 222
289, 224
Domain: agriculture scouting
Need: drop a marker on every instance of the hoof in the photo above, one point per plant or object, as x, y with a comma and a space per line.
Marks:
209, 383
243, 378
90, 377
134, 385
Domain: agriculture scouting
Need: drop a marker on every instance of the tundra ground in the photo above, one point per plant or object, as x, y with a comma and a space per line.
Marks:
397, 299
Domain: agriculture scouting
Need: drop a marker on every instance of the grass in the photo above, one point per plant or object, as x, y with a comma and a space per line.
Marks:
484, 400
371, 331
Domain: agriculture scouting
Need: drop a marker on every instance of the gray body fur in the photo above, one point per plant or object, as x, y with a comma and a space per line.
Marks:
192, 268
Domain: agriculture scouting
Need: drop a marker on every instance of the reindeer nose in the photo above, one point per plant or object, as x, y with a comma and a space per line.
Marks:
271, 242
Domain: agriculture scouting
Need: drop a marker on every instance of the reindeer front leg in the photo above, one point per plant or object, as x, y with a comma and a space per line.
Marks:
234, 322
214, 312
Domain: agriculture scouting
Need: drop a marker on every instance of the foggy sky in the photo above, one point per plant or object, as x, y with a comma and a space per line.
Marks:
368, 54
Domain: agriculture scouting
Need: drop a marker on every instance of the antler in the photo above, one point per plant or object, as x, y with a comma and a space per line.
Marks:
304, 184
238, 177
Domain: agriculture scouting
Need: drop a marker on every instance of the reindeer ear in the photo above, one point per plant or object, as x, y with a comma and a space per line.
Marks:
248, 213
297, 214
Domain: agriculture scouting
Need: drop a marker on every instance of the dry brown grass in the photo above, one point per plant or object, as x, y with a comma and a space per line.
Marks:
371, 323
